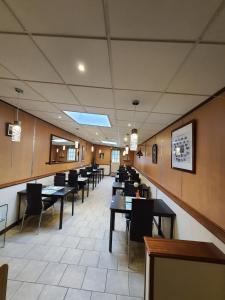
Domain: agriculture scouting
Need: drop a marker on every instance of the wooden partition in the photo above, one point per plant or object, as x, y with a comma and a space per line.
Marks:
201, 194
29, 158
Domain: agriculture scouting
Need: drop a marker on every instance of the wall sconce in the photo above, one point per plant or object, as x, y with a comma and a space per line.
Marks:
126, 149
76, 144
57, 150
64, 148
92, 148
99, 151
139, 153
124, 153
16, 131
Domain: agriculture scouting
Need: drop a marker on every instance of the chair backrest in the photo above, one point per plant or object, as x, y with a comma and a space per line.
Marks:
89, 169
123, 177
141, 219
83, 173
72, 172
144, 191
34, 202
60, 174
129, 189
59, 180
135, 177
72, 180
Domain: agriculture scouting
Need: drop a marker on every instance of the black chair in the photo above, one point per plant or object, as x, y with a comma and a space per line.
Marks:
72, 180
83, 172
123, 177
72, 172
59, 180
129, 189
89, 169
141, 219
60, 174
36, 204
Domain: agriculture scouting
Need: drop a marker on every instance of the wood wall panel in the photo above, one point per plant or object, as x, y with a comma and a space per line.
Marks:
18, 162
204, 191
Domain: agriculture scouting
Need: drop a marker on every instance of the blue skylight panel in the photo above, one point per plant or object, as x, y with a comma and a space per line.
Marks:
89, 119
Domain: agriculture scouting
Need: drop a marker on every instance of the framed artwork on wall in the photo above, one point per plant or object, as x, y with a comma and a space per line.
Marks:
183, 147
154, 153
101, 155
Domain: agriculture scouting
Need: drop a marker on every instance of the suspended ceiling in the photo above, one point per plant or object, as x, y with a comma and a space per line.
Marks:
168, 54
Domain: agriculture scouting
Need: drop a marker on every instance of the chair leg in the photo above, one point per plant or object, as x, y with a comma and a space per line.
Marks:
39, 223
24, 214
53, 210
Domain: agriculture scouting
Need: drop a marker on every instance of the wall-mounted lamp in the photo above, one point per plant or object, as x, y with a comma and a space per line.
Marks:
127, 150
99, 151
16, 131
64, 148
57, 150
76, 144
92, 148
124, 153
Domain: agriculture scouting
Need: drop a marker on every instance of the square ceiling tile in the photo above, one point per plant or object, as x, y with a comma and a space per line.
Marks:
160, 19
162, 118
67, 53
124, 124
95, 110
7, 89
146, 66
124, 99
216, 30
94, 96
54, 92
69, 107
20, 55
203, 73
177, 104
129, 115
33, 105
152, 127
72, 17
5, 74
7, 21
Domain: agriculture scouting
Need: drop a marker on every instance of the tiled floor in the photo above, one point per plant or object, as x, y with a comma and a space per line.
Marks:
74, 263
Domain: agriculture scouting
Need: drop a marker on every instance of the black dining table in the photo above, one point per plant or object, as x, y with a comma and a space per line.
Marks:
120, 205
60, 193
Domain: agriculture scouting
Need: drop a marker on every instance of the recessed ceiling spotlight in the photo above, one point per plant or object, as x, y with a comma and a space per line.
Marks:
81, 67
60, 117
129, 125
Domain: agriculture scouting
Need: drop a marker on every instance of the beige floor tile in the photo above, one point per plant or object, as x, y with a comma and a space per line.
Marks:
52, 273
56, 240
89, 258
71, 242
32, 271
102, 296
12, 287
15, 249
95, 279
16, 265
72, 256
74, 294
37, 252
54, 254
108, 261
136, 284
86, 244
28, 291
73, 276
117, 282
53, 293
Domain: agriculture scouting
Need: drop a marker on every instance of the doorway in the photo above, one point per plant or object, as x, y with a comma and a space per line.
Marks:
115, 161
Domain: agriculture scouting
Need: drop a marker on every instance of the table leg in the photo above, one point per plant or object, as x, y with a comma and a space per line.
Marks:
61, 212
159, 227
93, 181
73, 200
82, 193
112, 224
18, 216
88, 187
113, 191
171, 227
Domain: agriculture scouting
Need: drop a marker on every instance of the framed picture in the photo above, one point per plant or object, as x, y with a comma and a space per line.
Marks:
183, 147
8, 129
101, 155
154, 153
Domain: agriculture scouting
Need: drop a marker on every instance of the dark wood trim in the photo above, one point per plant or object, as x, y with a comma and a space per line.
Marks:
5, 185
218, 231
211, 98
193, 122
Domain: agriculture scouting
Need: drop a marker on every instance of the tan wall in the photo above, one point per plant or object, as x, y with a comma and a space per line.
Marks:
18, 161
203, 191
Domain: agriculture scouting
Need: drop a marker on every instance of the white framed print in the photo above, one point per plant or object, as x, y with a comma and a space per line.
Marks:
183, 147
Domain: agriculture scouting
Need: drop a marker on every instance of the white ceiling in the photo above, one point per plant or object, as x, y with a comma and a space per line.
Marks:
168, 54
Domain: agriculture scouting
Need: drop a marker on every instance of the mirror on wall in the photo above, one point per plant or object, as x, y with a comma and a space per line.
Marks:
62, 150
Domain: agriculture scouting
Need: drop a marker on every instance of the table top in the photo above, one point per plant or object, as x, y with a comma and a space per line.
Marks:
121, 185
160, 208
65, 190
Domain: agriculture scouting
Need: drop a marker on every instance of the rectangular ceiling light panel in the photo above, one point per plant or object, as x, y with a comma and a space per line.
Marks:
89, 119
